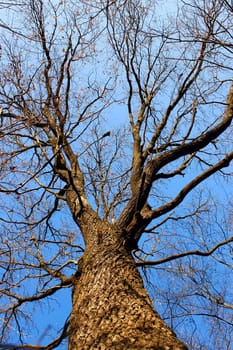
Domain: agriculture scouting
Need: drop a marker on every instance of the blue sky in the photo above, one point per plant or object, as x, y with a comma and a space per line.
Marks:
52, 316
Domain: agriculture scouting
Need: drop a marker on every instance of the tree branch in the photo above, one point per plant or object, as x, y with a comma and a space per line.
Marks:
182, 255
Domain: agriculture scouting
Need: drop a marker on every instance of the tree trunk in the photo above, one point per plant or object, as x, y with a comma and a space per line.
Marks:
111, 308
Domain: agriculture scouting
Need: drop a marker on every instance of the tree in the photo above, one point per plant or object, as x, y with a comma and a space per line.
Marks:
112, 115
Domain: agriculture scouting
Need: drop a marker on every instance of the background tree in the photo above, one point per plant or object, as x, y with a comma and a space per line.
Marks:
112, 116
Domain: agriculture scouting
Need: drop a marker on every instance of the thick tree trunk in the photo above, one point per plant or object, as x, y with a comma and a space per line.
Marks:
111, 308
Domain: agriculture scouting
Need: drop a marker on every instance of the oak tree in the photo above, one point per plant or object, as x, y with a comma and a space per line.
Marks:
113, 113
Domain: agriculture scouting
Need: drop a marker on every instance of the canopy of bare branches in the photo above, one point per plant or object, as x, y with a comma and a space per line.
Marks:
119, 111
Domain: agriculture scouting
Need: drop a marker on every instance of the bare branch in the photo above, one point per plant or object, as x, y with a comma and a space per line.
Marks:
184, 254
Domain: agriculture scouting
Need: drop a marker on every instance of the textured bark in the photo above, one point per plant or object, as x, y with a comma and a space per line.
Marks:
111, 308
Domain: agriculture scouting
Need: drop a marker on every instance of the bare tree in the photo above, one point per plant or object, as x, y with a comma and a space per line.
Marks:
112, 115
